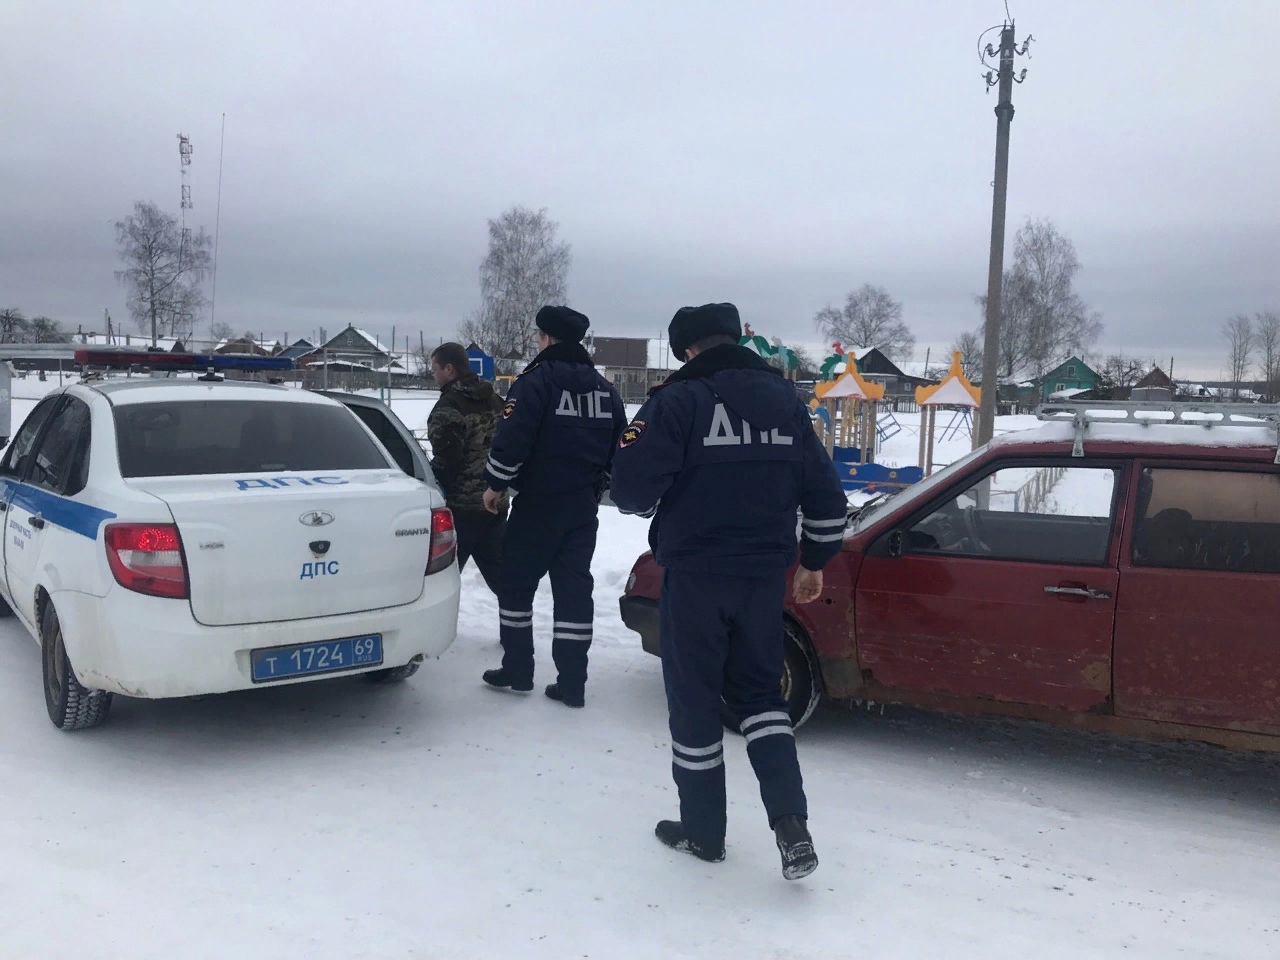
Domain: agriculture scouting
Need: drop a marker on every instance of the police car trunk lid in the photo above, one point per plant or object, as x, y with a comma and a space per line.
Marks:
265, 549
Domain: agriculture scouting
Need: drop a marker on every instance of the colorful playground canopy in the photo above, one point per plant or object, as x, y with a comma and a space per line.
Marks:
955, 390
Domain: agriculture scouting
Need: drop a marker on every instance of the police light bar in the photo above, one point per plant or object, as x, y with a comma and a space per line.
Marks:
124, 357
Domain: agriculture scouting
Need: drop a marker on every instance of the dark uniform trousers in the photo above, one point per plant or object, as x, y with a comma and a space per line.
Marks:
555, 535
725, 633
480, 536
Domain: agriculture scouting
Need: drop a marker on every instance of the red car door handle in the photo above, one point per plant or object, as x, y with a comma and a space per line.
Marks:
1086, 593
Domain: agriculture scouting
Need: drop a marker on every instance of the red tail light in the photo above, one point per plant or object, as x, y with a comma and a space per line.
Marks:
147, 558
444, 541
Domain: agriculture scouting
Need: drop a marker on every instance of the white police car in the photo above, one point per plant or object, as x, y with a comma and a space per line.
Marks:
165, 538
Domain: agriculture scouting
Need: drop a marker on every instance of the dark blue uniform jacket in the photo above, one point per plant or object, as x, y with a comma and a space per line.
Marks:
559, 427
725, 453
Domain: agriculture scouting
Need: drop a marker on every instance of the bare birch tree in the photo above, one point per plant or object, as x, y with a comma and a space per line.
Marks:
163, 271
526, 268
13, 325
869, 318
969, 346
1240, 340
45, 330
1120, 371
1042, 318
1267, 340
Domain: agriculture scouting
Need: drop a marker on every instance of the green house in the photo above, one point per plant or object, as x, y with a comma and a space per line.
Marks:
1072, 374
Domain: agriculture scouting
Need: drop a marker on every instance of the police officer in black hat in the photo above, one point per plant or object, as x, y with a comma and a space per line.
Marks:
724, 453
553, 448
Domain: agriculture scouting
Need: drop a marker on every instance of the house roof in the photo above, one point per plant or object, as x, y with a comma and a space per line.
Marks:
1073, 359
300, 349
1156, 378
263, 343
373, 341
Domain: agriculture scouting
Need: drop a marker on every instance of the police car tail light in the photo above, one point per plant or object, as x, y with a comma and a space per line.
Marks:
444, 541
147, 558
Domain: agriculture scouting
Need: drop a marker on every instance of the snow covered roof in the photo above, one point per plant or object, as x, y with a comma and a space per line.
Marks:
397, 363
266, 343
373, 341
1067, 394
917, 368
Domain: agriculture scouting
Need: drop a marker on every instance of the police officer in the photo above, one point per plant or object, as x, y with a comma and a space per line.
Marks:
724, 453
553, 447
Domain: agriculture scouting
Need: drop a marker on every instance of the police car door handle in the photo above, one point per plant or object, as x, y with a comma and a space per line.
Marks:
1085, 593
37, 521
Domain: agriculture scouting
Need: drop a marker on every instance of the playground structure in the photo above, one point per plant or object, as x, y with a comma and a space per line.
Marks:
955, 393
846, 416
774, 352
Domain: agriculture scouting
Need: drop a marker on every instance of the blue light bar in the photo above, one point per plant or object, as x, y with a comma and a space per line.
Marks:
232, 361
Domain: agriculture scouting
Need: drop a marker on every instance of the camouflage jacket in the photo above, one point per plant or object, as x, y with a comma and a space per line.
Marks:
460, 429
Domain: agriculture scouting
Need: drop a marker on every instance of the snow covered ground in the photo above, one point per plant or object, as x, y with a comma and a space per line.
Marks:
442, 819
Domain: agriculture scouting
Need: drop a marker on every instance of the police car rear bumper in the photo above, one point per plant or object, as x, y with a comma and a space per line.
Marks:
151, 647
641, 615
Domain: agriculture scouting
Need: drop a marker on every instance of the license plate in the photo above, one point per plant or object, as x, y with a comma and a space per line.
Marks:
304, 659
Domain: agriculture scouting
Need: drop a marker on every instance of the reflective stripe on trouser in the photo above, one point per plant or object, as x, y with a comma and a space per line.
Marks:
557, 537
722, 635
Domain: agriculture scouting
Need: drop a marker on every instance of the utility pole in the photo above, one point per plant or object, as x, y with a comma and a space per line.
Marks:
1002, 78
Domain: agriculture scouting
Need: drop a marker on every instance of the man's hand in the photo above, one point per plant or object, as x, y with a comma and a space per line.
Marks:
493, 500
807, 585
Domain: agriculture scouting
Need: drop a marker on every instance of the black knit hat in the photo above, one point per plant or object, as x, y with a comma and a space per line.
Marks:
563, 323
691, 324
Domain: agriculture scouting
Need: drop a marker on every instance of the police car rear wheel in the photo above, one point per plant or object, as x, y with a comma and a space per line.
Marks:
71, 705
799, 680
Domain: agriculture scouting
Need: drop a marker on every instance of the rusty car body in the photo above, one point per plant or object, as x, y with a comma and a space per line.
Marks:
1111, 576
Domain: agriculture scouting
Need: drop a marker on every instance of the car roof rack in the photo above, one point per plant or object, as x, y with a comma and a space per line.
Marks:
1207, 416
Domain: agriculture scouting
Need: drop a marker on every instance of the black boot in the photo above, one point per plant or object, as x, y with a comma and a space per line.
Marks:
796, 846
671, 832
502, 680
556, 692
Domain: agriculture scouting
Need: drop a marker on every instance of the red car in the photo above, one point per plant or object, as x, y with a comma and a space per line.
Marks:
1112, 575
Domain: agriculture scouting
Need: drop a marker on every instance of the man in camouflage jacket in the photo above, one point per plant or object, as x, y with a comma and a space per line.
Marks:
460, 429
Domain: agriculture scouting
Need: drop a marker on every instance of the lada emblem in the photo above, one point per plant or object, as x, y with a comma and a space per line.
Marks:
316, 518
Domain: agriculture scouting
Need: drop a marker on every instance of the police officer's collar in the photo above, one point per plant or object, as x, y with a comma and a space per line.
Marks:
564, 352
727, 356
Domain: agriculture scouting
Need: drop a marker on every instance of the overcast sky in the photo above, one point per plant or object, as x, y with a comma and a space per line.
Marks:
774, 154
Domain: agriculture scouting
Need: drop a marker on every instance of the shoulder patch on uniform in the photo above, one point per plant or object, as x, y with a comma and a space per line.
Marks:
508, 408
632, 433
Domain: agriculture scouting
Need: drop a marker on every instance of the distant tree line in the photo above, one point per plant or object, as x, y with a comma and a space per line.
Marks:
17, 327
1253, 343
1042, 318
